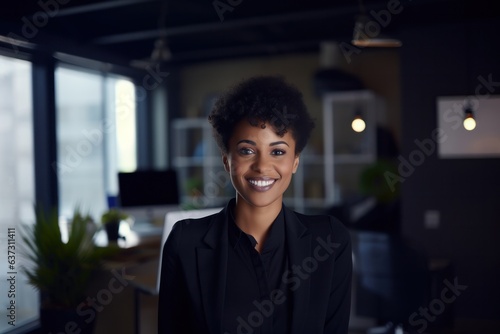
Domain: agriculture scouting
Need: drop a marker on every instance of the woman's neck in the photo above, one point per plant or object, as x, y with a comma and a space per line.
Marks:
256, 221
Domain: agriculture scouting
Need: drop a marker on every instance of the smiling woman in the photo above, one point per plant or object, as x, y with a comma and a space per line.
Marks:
257, 266
261, 164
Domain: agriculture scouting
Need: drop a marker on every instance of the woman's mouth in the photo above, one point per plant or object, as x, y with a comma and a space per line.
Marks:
261, 184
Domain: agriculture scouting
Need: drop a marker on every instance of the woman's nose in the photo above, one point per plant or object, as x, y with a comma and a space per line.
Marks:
261, 163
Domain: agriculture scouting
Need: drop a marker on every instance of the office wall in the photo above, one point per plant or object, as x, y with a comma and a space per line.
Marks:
377, 69
449, 60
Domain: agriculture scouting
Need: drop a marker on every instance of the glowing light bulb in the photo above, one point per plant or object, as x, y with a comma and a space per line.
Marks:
358, 124
469, 123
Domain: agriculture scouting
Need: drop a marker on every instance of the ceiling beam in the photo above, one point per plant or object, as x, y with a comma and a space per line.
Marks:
244, 50
94, 7
229, 25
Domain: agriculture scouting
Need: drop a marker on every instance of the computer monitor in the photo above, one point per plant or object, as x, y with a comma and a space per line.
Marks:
148, 194
148, 188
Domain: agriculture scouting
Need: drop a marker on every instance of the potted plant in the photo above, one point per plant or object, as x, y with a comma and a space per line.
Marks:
62, 271
111, 220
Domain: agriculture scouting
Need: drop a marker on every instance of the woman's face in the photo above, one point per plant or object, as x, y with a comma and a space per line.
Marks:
260, 163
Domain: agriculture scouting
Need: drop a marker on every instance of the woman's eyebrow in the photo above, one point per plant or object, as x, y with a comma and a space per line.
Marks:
246, 141
251, 142
278, 143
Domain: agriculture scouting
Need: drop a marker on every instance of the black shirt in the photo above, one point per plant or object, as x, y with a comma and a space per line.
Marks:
256, 300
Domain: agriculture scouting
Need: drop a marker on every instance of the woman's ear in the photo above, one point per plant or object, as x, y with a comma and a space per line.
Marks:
296, 163
225, 162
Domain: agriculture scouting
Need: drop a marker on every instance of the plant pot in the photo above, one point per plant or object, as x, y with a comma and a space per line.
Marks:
66, 321
112, 231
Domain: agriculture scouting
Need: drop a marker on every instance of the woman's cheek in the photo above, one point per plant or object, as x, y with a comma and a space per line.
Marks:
236, 166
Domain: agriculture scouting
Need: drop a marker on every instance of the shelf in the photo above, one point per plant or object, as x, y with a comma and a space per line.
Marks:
190, 123
354, 159
199, 166
311, 159
348, 153
182, 162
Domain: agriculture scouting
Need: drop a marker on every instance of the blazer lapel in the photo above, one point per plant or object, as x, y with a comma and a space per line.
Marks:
299, 248
212, 270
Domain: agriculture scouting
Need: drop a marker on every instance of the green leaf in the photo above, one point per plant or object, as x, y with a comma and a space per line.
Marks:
62, 271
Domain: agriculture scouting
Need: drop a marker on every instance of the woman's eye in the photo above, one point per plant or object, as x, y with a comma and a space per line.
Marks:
278, 152
245, 151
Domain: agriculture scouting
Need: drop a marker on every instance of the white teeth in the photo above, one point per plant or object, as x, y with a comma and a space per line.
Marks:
261, 183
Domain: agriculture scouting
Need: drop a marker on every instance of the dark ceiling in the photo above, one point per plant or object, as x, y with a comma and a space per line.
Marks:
124, 31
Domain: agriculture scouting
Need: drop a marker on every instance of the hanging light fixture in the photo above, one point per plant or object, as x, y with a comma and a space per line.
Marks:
469, 121
358, 124
161, 51
367, 32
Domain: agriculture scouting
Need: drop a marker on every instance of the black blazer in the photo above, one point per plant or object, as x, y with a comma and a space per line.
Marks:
193, 275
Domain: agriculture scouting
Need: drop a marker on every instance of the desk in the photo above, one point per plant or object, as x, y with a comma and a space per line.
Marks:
144, 281
131, 236
146, 275
138, 253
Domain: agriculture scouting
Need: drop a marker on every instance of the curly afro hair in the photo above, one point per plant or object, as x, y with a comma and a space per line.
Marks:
261, 100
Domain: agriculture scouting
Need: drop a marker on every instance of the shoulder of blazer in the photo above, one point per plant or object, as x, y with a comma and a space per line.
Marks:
324, 225
191, 231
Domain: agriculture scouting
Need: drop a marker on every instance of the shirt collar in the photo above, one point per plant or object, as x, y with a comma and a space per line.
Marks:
274, 239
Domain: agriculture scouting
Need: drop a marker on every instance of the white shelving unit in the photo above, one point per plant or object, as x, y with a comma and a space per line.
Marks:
202, 179
346, 152
306, 191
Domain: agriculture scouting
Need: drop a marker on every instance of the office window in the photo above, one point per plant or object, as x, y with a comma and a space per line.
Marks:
124, 110
17, 187
96, 137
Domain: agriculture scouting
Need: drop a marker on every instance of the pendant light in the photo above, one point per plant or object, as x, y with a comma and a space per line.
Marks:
367, 32
358, 124
469, 121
